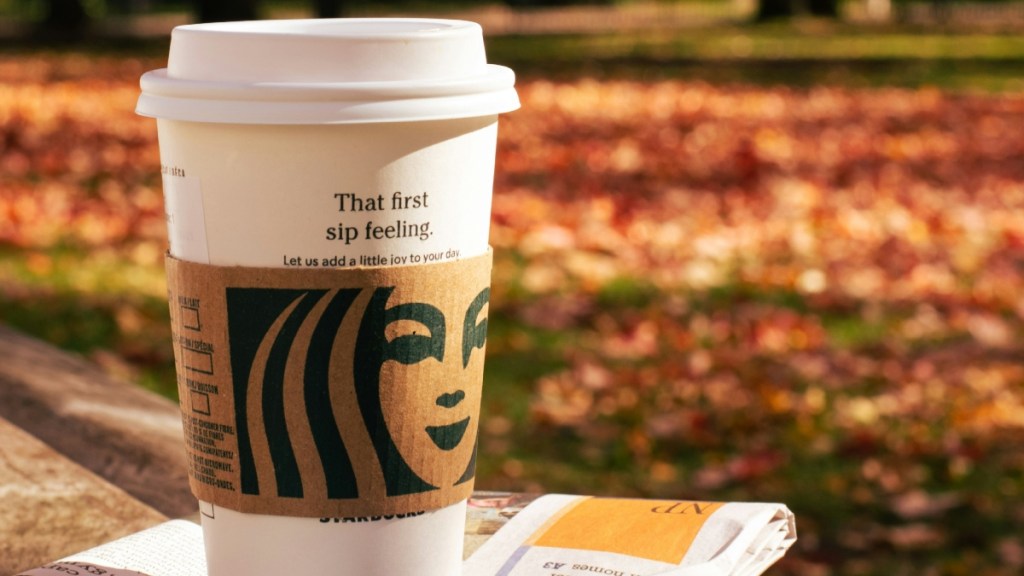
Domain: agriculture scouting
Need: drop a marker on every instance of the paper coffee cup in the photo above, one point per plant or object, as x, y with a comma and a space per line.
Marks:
313, 159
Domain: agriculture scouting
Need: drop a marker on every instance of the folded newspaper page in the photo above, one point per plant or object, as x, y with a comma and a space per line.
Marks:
562, 535
173, 548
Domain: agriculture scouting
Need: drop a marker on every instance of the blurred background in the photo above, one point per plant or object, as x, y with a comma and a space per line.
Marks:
745, 250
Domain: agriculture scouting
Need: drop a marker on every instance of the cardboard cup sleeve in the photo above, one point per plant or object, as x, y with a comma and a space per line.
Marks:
326, 393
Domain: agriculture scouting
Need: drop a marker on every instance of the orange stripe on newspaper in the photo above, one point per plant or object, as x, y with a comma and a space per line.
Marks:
660, 530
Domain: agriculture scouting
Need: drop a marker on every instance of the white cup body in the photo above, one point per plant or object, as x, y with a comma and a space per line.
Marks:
259, 545
277, 195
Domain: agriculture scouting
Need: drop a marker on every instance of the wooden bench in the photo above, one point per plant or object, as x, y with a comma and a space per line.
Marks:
121, 432
51, 506
86, 459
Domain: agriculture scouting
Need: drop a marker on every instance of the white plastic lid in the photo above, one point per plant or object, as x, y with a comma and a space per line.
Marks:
330, 71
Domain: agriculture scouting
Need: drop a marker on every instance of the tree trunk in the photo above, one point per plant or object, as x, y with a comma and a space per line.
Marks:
774, 9
65, 19
825, 8
226, 10
330, 8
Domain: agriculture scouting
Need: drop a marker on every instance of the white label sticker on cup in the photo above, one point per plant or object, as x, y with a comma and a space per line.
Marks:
186, 220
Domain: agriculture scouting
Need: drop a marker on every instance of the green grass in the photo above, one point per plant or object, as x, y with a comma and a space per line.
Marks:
763, 42
790, 54
98, 304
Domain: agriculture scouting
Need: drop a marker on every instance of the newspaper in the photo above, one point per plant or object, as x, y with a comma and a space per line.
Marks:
563, 535
173, 548
555, 535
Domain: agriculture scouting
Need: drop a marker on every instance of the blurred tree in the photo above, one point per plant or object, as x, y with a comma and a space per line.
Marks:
226, 10
64, 19
775, 9
330, 8
826, 8
532, 3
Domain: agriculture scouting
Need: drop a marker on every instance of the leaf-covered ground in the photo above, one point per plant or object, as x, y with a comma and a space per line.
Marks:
812, 296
